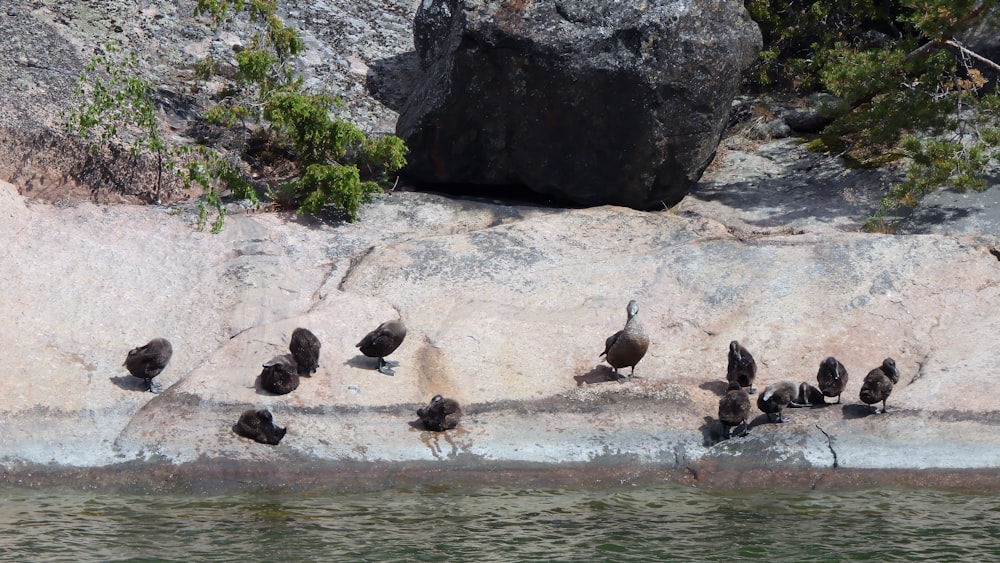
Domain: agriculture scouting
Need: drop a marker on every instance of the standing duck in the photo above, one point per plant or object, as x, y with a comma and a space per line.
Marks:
776, 397
305, 351
259, 426
146, 362
279, 378
383, 341
742, 367
734, 409
627, 346
832, 378
878, 385
440, 414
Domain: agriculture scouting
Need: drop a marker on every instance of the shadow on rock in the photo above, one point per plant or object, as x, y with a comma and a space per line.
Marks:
129, 383
390, 80
855, 411
716, 387
600, 374
711, 432
363, 362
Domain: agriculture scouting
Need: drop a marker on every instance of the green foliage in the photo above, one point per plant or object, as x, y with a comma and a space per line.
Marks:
909, 90
327, 151
113, 103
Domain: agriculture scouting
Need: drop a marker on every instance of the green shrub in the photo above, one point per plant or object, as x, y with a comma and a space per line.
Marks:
910, 90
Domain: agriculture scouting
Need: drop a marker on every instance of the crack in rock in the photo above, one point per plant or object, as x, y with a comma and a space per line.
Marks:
829, 444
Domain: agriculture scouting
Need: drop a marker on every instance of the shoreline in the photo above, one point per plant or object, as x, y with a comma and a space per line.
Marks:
215, 477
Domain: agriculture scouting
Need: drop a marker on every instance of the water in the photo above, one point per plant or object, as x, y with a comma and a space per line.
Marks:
500, 524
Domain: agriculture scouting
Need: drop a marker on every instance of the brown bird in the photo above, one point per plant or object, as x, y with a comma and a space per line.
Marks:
259, 426
775, 398
383, 341
878, 385
279, 378
627, 346
742, 368
146, 362
808, 396
440, 414
832, 378
305, 351
734, 409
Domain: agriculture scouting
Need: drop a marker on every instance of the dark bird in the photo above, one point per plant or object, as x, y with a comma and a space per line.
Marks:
305, 351
776, 397
832, 378
383, 341
808, 396
878, 384
440, 414
742, 367
146, 362
279, 378
259, 426
734, 409
627, 346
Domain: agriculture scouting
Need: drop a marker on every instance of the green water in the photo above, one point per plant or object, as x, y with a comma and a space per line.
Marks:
500, 524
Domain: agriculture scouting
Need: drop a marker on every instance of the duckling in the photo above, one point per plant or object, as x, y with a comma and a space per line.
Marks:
775, 398
279, 378
808, 396
146, 362
832, 378
440, 414
259, 426
742, 367
305, 351
878, 385
383, 341
734, 409
627, 346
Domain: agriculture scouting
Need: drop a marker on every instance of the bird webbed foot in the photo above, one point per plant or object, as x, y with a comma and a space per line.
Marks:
153, 387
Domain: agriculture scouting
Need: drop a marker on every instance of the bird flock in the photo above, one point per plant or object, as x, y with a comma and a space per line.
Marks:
281, 377
623, 349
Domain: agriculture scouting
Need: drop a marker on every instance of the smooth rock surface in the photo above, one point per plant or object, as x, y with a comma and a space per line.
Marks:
508, 308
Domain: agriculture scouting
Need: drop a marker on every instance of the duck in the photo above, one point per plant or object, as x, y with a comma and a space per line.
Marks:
776, 397
383, 341
627, 346
279, 378
440, 414
146, 362
305, 351
259, 426
808, 396
742, 367
878, 385
734, 409
832, 378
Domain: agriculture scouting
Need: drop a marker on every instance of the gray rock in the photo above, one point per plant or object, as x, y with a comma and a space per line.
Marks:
582, 100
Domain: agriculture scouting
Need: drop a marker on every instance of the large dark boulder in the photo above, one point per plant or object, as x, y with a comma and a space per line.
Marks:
589, 101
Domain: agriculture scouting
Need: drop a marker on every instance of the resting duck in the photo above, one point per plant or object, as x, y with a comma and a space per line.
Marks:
383, 341
775, 398
832, 378
627, 346
734, 409
878, 385
808, 396
259, 426
305, 351
279, 378
440, 414
742, 367
146, 362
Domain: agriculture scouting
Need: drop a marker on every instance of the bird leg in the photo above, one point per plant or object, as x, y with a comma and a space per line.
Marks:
751, 391
746, 429
619, 377
725, 431
153, 387
386, 367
